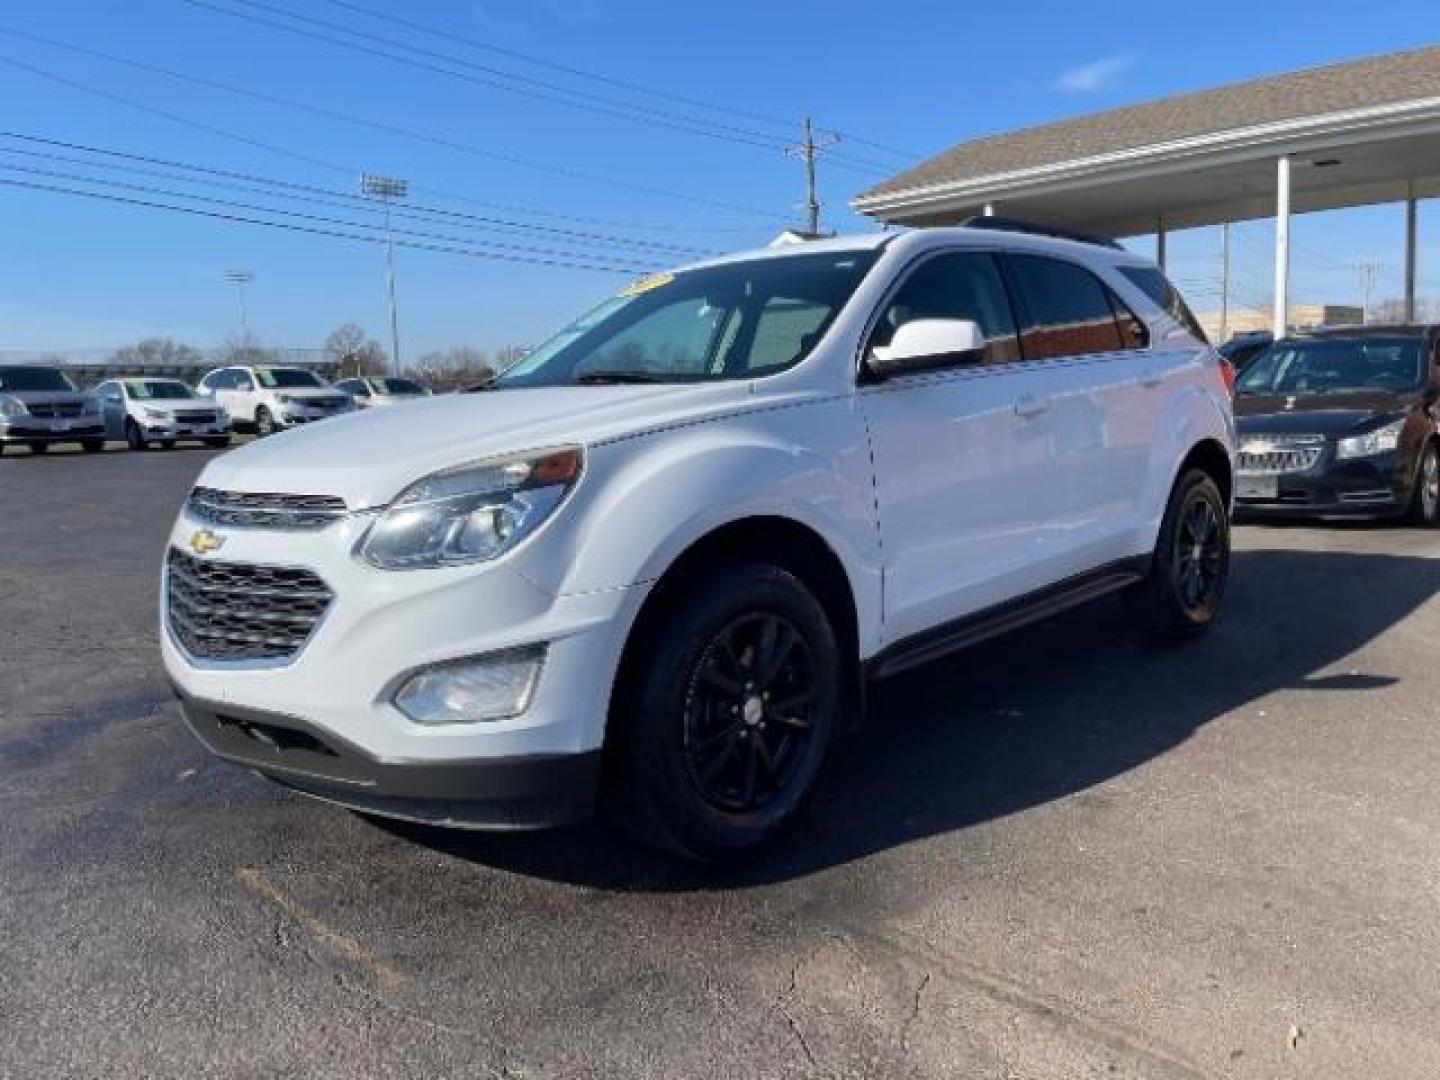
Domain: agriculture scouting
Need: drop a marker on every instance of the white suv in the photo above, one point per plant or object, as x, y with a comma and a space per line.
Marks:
656, 561
268, 399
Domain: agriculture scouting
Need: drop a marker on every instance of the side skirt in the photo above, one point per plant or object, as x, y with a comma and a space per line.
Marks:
970, 630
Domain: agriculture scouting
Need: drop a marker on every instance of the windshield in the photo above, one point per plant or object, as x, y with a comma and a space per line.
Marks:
157, 389
287, 378
1327, 366
399, 386
35, 378
734, 321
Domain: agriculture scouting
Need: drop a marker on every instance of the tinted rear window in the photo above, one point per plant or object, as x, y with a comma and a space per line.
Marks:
1067, 309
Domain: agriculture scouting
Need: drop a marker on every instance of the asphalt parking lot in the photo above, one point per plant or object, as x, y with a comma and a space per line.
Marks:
1060, 855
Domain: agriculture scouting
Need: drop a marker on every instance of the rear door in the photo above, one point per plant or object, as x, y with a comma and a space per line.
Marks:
1098, 392
962, 495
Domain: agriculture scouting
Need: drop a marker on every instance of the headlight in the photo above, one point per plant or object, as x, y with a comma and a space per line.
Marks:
471, 514
156, 414
1380, 441
12, 407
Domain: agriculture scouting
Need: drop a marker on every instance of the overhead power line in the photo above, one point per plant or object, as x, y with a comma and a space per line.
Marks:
171, 169
300, 215
347, 118
495, 78
313, 230
785, 123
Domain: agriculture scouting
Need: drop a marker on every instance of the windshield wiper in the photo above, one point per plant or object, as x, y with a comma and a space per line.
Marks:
601, 378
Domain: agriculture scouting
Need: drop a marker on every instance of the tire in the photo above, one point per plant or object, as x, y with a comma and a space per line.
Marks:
92, 446
704, 763
1182, 595
134, 437
264, 422
167, 444
1425, 503
39, 447
218, 442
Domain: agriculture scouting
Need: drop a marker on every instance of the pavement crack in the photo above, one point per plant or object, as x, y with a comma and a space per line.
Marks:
914, 1016
781, 1004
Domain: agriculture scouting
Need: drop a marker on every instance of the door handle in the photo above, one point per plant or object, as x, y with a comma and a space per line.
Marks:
1151, 377
1029, 405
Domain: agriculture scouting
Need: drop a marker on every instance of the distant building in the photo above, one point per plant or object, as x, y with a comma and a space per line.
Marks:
1302, 317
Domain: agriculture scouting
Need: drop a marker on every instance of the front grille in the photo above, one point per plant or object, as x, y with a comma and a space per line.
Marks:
193, 417
54, 410
1282, 454
265, 511
239, 611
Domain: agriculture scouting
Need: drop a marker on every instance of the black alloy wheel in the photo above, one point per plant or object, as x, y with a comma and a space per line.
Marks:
134, 437
747, 713
1200, 556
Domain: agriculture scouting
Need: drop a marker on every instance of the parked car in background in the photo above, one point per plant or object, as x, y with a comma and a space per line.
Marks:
267, 399
41, 406
379, 391
1242, 349
1342, 423
146, 411
724, 499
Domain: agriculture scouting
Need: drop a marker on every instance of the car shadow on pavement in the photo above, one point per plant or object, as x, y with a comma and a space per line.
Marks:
1027, 719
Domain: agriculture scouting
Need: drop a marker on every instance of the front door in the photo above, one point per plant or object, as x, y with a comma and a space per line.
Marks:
964, 490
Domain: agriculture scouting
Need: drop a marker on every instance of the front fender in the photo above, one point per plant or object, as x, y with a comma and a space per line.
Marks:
644, 500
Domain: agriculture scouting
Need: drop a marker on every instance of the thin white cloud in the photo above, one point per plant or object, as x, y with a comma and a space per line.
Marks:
1097, 75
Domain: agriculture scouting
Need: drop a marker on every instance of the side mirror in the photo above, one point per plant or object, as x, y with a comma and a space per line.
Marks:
923, 344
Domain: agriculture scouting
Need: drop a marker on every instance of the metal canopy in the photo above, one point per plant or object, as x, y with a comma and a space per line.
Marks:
1346, 135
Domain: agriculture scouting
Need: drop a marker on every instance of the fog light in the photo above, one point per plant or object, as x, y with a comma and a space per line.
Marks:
493, 687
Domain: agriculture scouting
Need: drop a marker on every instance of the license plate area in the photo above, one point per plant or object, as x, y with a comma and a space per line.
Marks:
1264, 488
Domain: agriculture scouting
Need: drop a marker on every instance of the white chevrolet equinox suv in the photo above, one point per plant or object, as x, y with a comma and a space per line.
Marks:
653, 565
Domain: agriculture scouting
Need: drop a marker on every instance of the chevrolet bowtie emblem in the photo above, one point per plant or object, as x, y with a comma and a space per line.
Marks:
204, 541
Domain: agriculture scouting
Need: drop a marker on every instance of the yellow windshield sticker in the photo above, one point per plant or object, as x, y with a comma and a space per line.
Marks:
645, 284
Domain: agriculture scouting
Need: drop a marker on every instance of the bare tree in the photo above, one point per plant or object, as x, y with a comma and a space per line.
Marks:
241, 349
156, 352
1393, 311
355, 352
455, 368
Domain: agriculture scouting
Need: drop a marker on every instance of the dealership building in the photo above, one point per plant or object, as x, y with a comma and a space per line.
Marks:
1346, 135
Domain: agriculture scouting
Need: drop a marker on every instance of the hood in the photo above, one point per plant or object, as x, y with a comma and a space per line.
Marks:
367, 457
1316, 414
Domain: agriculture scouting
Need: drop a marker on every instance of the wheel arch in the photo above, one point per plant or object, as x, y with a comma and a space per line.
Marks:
781, 541
1210, 456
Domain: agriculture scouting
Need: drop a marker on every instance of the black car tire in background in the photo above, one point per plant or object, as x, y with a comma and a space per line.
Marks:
92, 446
218, 442
134, 437
264, 422
39, 447
1425, 502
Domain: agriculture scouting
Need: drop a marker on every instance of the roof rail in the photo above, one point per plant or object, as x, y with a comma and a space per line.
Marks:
1004, 224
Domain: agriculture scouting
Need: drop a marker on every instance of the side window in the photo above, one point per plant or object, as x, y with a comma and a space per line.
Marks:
1153, 283
959, 285
240, 380
1067, 309
785, 329
1133, 331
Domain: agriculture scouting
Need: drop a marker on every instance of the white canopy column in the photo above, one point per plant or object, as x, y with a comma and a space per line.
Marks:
1282, 245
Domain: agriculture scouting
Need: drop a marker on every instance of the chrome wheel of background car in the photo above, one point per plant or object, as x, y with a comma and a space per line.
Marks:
1199, 555
747, 713
1430, 486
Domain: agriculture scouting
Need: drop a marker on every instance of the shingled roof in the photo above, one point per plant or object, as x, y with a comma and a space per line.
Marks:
1359, 84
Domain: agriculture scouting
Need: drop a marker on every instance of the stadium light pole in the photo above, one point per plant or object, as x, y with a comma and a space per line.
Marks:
387, 189
241, 278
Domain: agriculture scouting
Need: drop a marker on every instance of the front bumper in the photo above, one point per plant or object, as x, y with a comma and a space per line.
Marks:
31, 429
183, 429
1358, 487
380, 627
515, 793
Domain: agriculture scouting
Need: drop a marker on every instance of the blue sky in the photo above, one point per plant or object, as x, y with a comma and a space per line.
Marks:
917, 77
